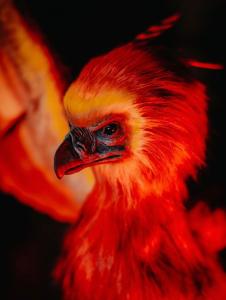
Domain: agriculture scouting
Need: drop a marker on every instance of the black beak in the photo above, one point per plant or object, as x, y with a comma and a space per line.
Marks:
75, 153
81, 149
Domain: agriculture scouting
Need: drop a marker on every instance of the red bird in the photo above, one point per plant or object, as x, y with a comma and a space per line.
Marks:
138, 118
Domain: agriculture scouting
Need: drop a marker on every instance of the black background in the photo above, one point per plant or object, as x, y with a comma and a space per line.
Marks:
77, 31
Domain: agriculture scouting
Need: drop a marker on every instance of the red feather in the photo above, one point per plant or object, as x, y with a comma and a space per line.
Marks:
131, 244
155, 30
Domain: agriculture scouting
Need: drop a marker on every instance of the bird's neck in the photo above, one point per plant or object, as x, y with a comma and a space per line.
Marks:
144, 248
115, 196
107, 210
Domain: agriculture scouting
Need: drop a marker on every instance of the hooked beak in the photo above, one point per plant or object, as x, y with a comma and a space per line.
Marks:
78, 151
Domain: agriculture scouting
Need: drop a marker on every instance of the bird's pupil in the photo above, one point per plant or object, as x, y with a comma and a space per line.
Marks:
110, 129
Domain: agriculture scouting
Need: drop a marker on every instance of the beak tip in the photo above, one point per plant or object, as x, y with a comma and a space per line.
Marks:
58, 173
58, 176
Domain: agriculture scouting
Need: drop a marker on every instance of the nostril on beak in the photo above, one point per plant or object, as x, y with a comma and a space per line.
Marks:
80, 146
83, 141
77, 146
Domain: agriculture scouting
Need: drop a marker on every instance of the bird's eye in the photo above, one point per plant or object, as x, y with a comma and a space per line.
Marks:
111, 132
110, 129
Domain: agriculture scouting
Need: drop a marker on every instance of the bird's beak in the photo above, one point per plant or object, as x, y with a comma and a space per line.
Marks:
75, 153
79, 150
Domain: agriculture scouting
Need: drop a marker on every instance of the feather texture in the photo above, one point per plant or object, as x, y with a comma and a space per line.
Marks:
133, 239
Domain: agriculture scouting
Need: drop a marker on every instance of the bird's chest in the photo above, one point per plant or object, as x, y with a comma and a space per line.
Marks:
110, 267
106, 275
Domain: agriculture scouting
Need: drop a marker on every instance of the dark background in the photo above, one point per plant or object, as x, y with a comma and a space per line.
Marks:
77, 31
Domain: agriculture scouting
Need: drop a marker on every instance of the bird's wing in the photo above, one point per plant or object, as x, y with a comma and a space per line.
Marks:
208, 227
32, 122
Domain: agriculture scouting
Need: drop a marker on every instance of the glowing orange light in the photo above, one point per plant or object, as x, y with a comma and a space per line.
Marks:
32, 121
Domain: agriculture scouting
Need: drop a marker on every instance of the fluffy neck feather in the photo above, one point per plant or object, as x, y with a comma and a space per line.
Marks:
144, 252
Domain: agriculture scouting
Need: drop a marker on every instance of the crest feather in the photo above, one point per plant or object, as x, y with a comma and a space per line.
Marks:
156, 30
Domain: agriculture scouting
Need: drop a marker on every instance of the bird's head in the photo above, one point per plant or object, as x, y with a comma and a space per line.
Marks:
137, 118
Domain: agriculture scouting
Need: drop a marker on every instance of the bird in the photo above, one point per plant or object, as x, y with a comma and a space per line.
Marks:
138, 118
